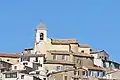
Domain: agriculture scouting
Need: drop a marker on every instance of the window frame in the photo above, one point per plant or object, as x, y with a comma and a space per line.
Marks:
22, 76
58, 67
41, 36
54, 57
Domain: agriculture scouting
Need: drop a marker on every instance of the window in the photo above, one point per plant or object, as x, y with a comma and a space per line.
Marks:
98, 73
76, 78
40, 65
25, 63
41, 36
65, 78
54, 57
11, 75
78, 73
37, 72
105, 58
58, 67
7, 75
25, 59
83, 72
15, 67
44, 78
22, 76
80, 62
90, 49
75, 73
82, 51
90, 73
63, 57
14, 75
8, 60
36, 59
77, 60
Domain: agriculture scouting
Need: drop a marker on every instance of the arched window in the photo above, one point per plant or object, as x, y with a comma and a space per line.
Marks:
41, 36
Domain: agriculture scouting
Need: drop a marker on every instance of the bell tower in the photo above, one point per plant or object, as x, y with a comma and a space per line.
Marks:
41, 39
41, 32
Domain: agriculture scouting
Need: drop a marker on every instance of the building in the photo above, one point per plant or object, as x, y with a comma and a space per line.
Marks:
113, 74
4, 66
58, 59
61, 49
69, 74
10, 58
101, 58
18, 75
62, 54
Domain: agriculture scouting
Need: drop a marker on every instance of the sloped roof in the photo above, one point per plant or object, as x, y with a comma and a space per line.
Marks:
95, 68
56, 72
59, 52
41, 26
64, 41
55, 52
58, 62
84, 46
8, 55
112, 71
82, 55
30, 55
96, 51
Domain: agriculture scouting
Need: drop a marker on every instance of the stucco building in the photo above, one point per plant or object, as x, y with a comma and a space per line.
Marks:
57, 59
10, 58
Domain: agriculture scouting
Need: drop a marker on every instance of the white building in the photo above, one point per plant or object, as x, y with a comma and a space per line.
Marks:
32, 64
99, 56
18, 75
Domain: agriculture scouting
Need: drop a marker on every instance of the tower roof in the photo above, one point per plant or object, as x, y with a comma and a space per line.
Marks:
41, 26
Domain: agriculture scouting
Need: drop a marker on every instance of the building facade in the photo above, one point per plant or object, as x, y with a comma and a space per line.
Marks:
57, 59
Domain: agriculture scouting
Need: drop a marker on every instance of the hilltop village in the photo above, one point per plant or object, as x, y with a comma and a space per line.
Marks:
58, 59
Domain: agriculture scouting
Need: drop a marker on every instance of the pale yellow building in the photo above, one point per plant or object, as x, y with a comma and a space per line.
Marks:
61, 49
62, 55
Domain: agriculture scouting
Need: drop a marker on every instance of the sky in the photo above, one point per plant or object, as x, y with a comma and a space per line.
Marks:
93, 22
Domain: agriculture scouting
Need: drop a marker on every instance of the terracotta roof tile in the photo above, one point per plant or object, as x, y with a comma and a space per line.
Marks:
55, 52
59, 52
9, 55
64, 41
82, 55
30, 55
95, 68
58, 62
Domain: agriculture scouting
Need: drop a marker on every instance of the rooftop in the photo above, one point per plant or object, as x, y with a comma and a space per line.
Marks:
84, 46
96, 51
8, 55
55, 52
41, 26
58, 62
30, 55
64, 71
64, 41
95, 68
14, 71
82, 55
